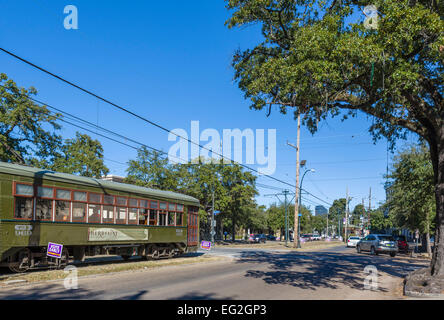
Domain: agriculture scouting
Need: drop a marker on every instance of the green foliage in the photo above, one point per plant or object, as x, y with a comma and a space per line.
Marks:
26, 128
411, 201
378, 222
150, 169
82, 156
314, 64
234, 188
358, 212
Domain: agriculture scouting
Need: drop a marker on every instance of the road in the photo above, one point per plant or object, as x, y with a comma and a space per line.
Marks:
334, 273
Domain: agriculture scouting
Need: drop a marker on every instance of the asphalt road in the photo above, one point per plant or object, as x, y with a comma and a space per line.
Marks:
334, 273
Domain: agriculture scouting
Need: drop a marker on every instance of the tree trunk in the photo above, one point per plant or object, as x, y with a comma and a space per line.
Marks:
437, 155
428, 245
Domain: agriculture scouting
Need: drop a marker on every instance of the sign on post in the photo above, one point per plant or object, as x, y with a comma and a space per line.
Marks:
205, 245
54, 250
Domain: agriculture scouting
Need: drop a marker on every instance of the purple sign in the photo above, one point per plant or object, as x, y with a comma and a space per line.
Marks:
54, 250
206, 245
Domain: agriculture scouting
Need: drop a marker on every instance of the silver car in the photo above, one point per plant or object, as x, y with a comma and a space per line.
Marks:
378, 243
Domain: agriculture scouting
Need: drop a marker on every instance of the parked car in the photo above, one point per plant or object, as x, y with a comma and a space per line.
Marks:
403, 245
270, 237
306, 237
353, 241
316, 237
258, 238
378, 243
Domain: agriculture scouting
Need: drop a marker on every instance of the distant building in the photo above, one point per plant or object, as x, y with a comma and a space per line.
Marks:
320, 210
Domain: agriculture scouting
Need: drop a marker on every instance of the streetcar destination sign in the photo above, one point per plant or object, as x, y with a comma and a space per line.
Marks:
54, 250
206, 245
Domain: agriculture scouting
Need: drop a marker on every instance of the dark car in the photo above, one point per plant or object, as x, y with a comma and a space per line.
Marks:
259, 238
403, 245
270, 237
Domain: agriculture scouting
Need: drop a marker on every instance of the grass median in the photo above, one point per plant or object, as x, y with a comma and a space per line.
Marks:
112, 267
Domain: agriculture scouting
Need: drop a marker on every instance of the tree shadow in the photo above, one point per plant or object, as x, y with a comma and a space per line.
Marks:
322, 269
196, 295
49, 292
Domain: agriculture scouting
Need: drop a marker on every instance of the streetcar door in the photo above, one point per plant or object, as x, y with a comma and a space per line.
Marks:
193, 226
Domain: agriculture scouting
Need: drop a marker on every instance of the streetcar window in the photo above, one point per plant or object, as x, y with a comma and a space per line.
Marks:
143, 203
93, 213
121, 201
45, 192
153, 218
108, 199
162, 219
171, 206
132, 215
78, 211
24, 190
108, 214
62, 210
133, 203
23, 208
163, 205
171, 218
121, 215
154, 204
178, 219
143, 216
43, 209
79, 196
180, 207
63, 194
95, 197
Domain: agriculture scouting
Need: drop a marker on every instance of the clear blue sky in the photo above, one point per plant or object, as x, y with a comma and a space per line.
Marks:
170, 62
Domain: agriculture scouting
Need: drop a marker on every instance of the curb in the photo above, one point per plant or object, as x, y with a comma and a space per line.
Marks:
417, 294
25, 283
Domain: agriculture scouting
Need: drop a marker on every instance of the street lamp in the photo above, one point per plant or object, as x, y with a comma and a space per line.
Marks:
300, 199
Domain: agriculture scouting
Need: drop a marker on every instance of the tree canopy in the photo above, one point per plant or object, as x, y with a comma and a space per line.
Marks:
27, 130
411, 200
318, 59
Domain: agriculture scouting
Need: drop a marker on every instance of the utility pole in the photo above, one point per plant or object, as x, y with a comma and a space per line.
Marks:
212, 219
327, 224
296, 242
284, 193
346, 216
369, 206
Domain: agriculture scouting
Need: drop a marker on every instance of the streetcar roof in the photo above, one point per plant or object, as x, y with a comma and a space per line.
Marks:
28, 171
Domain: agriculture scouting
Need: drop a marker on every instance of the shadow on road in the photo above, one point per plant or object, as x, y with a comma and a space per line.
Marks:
322, 269
195, 295
51, 292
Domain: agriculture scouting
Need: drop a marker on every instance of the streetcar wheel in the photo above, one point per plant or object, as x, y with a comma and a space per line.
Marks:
23, 262
64, 260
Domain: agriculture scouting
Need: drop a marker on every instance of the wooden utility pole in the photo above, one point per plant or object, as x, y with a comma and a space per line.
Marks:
369, 206
346, 215
296, 242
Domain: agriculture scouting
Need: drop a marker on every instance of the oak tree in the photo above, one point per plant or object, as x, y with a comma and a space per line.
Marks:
319, 59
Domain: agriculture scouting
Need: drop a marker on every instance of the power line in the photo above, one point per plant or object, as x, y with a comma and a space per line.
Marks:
135, 114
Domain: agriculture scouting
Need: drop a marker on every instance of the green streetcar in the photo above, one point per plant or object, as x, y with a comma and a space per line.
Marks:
88, 217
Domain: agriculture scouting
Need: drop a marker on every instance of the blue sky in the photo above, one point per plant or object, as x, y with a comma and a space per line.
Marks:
170, 62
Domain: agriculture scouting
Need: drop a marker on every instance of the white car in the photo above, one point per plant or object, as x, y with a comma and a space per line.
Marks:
316, 237
353, 241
